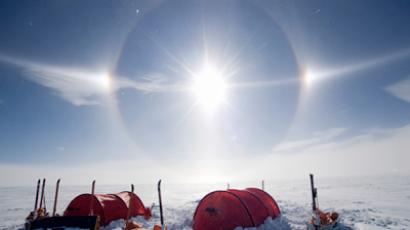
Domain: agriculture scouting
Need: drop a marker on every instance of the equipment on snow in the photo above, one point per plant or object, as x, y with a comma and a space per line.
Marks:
80, 214
321, 220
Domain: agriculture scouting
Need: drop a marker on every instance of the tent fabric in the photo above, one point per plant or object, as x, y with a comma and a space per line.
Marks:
226, 210
108, 207
258, 211
221, 210
270, 203
137, 207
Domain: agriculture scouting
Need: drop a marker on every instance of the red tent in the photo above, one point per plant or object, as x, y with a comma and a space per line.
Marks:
137, 207
270, 203
108, 207
225, 210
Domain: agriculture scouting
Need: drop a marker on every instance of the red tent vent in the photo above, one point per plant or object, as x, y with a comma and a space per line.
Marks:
108, 207
226, 210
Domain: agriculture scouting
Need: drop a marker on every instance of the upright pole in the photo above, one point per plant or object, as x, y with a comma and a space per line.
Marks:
56, 197
129, 206
228, 186
316, 221
160, 205
263, 185
42, 193
92, 199
37, 193
314, 192
93, 188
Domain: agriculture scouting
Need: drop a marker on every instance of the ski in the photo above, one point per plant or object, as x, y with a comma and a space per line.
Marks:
314, 202
37, 193
92, 198
56, 197
129, 208
42, 193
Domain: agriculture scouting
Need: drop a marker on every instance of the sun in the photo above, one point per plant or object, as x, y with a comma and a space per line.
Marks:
209, 88
308, 78
311, 77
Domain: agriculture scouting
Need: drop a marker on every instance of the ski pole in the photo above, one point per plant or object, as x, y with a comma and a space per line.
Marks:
56, 197
160, 205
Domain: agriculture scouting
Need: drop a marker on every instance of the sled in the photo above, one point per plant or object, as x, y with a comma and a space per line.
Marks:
135, 226
61, 222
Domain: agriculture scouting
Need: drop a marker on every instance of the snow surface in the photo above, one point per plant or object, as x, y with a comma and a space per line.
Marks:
364, 203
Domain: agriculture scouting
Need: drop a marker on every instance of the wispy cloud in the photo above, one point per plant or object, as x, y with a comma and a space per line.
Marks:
400, 89
332, 139
150, 84
375, 152
316, 74
84, 86
75, 85
316, 139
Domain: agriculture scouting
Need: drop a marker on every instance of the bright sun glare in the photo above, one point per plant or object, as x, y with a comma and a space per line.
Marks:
308, 78
209, 88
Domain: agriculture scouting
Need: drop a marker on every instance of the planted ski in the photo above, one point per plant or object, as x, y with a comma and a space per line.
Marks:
56, 197
42, 193
160, 205
37, 193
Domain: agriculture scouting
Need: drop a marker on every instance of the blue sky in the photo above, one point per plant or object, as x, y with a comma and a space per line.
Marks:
107, 89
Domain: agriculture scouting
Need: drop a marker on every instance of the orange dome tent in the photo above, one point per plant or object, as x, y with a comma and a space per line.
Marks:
136, 205
267, 200
224, 210
108, 207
